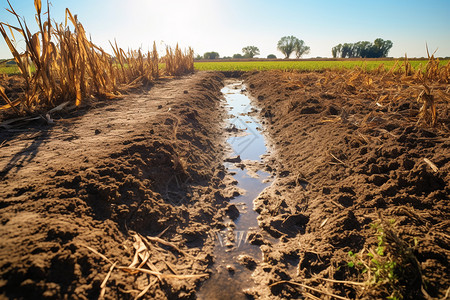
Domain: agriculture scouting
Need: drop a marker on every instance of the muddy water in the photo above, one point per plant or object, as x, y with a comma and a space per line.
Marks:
231, 278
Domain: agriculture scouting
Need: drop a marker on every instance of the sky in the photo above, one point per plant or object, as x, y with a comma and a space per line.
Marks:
226, 26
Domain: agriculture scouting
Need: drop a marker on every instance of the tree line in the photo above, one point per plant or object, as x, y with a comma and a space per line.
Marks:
363, 49
289, 45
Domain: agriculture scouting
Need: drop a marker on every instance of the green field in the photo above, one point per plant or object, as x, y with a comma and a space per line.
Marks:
9, 69
305, 65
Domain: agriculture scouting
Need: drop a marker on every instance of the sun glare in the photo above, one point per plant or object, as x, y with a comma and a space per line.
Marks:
167, 22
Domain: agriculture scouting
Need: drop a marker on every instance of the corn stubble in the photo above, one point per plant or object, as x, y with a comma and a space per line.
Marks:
428, 85
70, 67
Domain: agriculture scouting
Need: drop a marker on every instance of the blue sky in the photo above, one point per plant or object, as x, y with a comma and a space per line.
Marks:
226, 26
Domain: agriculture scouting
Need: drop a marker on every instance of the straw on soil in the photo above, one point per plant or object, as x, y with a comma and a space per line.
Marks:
141, 263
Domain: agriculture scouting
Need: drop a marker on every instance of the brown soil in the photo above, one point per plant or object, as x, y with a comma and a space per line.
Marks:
150, 163
74, 194
343, 163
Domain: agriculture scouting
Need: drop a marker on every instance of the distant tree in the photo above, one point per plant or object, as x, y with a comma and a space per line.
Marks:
271, 56
300, 48
211, 55
289, 44
250, 51
347, 50
336, 50
382, 47
286, 45
362, 49
198, 56
238, 56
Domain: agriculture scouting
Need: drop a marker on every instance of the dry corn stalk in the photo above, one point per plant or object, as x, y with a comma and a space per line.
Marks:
427, 112
178, 63
64, 65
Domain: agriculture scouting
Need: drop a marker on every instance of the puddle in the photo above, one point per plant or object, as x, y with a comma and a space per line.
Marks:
233, 249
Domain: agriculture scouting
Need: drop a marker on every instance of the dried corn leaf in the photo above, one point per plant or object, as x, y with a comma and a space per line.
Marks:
38, 6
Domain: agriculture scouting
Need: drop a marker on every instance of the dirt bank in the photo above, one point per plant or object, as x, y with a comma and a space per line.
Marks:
355, 186
150, 163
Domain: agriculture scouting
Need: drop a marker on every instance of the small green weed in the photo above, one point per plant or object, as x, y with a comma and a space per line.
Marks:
391, 269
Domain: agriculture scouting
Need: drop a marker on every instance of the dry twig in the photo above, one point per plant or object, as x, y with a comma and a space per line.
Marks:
310, 288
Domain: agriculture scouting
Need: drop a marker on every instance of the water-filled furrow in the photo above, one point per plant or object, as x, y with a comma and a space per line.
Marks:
236, 256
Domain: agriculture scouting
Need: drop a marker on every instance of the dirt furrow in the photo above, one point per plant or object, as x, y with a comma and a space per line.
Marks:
150, 163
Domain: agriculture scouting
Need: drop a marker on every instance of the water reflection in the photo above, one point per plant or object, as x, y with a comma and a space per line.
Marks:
231, 278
